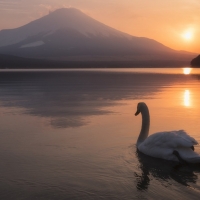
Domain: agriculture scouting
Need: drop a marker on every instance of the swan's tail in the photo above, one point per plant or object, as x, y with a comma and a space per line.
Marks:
188, 155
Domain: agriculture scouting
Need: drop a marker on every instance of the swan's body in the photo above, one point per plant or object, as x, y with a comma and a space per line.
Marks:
164, 144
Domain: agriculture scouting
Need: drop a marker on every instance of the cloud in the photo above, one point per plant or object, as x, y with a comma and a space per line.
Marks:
52, 8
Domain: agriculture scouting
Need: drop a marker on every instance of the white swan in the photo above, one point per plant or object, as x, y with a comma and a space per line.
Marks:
174, 145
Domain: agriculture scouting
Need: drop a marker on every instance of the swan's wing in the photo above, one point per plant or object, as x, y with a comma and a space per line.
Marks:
172, 139
162, 144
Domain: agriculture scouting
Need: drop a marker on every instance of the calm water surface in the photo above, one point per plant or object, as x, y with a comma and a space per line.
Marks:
71, 134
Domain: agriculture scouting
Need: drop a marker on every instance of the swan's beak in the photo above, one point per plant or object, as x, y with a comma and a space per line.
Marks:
137, 113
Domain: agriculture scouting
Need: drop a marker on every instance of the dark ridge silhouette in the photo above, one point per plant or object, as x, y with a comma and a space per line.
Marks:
15, 62
196, 62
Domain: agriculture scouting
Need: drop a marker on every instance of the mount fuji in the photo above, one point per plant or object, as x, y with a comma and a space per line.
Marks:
68, 34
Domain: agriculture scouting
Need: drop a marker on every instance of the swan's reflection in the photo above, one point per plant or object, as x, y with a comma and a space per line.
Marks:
163, 171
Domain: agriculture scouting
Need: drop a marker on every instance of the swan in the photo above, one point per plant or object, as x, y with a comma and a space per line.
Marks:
172, 145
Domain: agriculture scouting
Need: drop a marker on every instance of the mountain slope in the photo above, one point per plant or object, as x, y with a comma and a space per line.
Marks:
65, 18
195, 62
67, 33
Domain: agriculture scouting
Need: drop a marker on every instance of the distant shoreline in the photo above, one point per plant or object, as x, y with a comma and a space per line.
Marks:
29, 63
15, 62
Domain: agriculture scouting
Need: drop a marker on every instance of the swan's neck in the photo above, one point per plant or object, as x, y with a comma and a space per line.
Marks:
145, 125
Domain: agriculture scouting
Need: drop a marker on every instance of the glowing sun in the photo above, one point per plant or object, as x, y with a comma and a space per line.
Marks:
188, 35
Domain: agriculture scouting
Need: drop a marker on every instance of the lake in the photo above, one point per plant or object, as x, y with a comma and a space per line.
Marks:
71, 134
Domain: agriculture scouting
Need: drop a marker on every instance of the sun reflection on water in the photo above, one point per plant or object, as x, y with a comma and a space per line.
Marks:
187, 101
187, 70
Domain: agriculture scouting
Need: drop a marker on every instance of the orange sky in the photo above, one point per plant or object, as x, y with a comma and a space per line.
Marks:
175, 23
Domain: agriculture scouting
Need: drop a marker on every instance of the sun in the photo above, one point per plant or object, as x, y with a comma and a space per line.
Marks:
188, 35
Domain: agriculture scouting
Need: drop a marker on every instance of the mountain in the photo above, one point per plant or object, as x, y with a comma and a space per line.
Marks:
69, 34
195, 62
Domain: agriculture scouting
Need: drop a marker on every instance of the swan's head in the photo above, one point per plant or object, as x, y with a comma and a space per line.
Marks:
140, 106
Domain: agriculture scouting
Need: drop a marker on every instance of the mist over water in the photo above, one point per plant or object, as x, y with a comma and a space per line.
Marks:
71, 134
